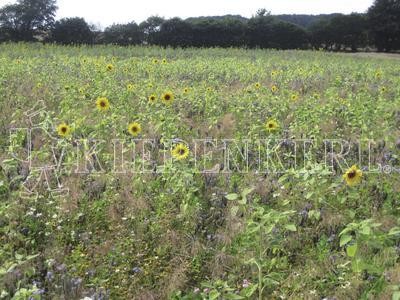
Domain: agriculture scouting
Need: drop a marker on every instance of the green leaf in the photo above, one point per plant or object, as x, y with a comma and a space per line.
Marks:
232, 197
249, 291
214, 294
291, 227
394, 231
396, 295
344, 239
351, 250
232, 296
234, 210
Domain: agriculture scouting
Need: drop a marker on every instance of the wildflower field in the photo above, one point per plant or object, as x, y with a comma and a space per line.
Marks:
150, 173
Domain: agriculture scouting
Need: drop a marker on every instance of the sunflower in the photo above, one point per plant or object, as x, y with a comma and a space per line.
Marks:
180, 152
167, 98
274, 88
383, 89
294, 97
155, 61
152, 98
353, 176
209, 89
102, 104
110, 67
272, 125
164, 61
134, 128
186, 90
129, 87
257, 85
63, 130
274, 73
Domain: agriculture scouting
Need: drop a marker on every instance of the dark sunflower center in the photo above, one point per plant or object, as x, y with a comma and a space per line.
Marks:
352, 174
167, 97
64, 129
271, 125
102, 104
134, 129
181, 151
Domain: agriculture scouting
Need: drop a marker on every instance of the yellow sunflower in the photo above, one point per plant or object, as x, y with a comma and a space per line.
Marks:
383, 89
63, 130
274, 88
353, 176
130, 87
180, 152
167, 98
274, 73
257, 85
102, 104
272, 125
294, 97
134, 128
155, 61
164, 61
110, 67
152, 98
186, 90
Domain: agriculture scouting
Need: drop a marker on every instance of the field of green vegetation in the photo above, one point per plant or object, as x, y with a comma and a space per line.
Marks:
115, 181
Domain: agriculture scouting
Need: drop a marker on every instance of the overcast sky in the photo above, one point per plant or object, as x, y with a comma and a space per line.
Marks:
105, 13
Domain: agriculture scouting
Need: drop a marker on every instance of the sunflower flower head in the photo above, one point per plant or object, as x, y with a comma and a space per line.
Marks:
167, 98
180, 152
272, 125
134, 129
353, 176
294, 97
63, 130
257, 85
110, 67
274, 88
152, 98
102, 104
130, 87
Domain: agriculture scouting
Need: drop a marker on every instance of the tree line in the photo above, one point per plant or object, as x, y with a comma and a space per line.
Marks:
32, 20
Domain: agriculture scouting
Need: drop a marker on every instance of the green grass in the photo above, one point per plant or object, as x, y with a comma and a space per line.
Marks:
182, 234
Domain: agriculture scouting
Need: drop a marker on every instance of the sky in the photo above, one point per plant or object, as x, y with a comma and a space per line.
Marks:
103, 13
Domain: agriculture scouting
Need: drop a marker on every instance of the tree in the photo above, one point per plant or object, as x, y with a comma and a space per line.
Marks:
151, 29
27, 18
384, 21
349, 31
123, 34
72, 31
176, 33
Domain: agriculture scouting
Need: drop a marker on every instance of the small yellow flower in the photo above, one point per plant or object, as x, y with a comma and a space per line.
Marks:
294, 97
257, 85
134, 128
383, 89
155, 61
186, 90
130, 87
378, 74
63, 130
272, 125
353, 176
209, 89
180, 152
152, 98
103, 104
274, 88
110, 67
274, 73
164, 61
167, 98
